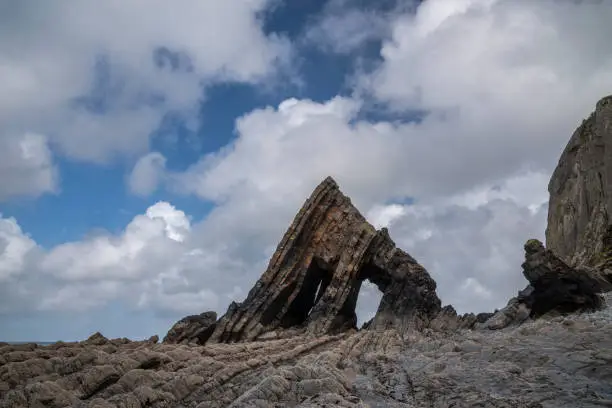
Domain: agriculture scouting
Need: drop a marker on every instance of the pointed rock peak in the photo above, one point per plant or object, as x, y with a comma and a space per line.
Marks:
96, 338
313, 279
329, 182
606, 101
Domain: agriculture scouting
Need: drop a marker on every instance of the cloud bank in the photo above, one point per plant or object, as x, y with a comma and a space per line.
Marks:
97, 79
503, 84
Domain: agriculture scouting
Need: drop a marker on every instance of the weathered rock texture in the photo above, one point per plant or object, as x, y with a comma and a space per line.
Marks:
192, 329
557, 286
559, 362
314, 277
554, 288
580, 207
292, 342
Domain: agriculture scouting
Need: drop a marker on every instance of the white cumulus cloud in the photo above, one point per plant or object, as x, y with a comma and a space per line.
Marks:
148, 173
26, 166
14, 248
149, 239
99, 77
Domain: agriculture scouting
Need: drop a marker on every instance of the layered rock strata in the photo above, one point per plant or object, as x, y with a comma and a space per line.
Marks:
559, 362
313, 279
192, 329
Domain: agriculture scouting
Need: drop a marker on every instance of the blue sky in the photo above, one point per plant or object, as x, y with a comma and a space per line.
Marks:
151, 159
95, 196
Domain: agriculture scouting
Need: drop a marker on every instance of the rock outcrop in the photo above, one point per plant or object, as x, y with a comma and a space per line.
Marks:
192, 329
560, 362
554, 288
448, 320
558, 287
313, 279
293, 343
580, 206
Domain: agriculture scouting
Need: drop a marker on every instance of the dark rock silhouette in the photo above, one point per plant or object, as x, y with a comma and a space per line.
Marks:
554, 288
192, 329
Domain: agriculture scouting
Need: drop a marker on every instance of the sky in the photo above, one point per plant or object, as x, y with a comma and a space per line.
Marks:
153, 153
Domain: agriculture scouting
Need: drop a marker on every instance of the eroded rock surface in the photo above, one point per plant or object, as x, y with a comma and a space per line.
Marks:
554, 288
558, 362
293, 343
314, 277
192, 329
559, 287
580, 206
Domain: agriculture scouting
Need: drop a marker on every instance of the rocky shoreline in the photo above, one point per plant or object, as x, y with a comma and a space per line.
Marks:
293, 342
563, 361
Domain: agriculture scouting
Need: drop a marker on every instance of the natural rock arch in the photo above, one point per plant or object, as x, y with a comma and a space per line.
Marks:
313, 279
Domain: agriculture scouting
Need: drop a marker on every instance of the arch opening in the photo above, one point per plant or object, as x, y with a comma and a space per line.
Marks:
373, 281
316, 280
368, 301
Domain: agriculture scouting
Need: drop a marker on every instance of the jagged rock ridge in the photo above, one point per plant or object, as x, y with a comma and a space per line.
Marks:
580, 206
554, 288
313, 279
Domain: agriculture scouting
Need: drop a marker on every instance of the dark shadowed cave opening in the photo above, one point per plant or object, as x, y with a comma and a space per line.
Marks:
317, 278
361, 303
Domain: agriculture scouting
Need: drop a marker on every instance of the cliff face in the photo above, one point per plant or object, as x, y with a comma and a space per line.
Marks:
580, 207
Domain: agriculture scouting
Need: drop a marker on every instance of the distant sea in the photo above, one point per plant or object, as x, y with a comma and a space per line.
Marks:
40, 343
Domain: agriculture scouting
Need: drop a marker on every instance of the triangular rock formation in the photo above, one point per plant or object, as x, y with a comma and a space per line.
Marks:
313, 279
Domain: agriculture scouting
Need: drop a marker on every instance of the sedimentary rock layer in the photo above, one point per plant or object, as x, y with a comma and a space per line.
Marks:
313, 279
192, 329
563, 362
